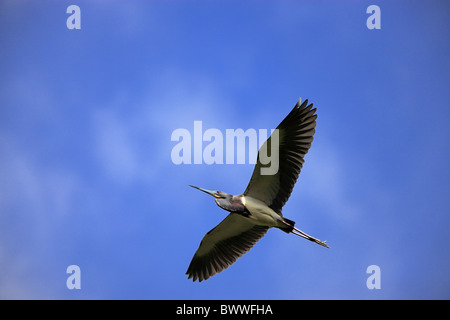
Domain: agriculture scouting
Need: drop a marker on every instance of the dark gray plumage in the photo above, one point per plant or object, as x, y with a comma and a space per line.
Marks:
296, 133
223, 245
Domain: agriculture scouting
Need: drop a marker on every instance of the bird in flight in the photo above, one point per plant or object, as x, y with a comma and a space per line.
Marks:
259, 207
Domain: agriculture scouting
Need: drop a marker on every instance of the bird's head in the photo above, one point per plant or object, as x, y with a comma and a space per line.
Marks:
223, 199
215, 194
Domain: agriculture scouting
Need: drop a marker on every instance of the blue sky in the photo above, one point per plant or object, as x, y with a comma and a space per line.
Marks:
86, 118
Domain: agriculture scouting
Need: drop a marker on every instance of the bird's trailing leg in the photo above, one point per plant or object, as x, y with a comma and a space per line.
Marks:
302, 234
308, 237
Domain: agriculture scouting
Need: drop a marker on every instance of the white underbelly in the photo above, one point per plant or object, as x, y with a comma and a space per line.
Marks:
261, 214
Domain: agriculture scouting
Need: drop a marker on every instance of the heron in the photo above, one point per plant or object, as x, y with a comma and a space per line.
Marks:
259, 208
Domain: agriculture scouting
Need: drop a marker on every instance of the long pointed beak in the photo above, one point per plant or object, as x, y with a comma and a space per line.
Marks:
210, 192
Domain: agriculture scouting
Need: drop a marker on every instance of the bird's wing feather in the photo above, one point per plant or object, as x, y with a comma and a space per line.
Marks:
296, 133
223, 245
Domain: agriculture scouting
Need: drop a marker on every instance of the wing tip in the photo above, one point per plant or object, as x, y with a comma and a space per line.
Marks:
300, 104
304, 107
199, 275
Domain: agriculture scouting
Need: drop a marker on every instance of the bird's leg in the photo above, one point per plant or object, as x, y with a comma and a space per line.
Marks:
302, 234
308, 237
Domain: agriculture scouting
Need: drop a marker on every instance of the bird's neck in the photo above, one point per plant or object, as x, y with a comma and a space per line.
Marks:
233, 204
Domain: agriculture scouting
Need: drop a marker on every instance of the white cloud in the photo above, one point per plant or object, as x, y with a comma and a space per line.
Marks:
114, 146
36, 188
35, 203
325, 182
132, 134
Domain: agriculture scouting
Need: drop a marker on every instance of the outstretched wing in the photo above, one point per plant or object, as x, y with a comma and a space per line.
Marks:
223, 245
296, 133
